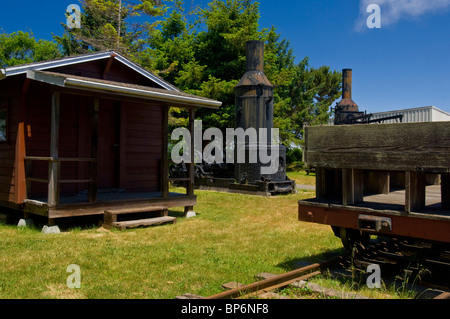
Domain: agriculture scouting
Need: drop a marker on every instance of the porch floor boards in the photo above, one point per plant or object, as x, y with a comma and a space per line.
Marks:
107, 195
78, 205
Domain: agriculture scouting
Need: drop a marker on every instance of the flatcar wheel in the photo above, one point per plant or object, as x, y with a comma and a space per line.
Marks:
350, 237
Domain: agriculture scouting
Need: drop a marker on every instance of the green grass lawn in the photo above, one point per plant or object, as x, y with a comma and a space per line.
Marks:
302, 178
233, 238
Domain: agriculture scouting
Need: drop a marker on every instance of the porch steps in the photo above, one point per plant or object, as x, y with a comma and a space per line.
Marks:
144, 222
110, 217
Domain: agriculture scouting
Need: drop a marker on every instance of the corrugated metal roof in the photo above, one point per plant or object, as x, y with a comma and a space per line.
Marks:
47, 65
123, 89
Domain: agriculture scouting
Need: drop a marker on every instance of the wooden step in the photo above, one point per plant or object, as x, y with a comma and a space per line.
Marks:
134, 210
142, 222
110, 215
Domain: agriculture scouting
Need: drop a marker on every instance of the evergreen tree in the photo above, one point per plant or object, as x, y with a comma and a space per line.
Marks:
112, 25
21, 47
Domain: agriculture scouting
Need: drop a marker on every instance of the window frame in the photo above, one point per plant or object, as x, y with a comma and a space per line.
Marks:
4, 106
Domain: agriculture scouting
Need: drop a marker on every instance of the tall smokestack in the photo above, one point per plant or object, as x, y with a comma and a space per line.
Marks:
347, 83
254, 109
255, 56
346, 105
254, 93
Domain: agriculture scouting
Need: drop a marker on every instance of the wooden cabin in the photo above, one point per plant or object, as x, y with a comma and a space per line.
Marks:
86, 135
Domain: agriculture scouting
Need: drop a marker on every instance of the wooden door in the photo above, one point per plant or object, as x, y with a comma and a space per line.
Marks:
108, 144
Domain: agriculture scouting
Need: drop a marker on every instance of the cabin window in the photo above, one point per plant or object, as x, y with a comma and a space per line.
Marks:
3, 124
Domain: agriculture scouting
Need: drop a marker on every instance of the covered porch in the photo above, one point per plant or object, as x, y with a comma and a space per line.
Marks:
104, 148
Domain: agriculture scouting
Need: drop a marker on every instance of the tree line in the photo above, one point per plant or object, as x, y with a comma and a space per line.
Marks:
200, 49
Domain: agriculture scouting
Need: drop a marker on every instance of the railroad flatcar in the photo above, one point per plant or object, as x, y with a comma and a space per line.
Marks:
379, 179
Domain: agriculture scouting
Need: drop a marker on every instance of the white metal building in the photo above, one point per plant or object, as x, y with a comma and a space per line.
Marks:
419, 114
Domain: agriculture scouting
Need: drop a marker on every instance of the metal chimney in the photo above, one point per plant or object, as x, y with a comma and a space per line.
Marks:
254, 109
347, 83
346, 105
254, 93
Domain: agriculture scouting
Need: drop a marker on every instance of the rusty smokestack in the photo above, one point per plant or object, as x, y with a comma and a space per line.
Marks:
347, 104
346, 110
347, 83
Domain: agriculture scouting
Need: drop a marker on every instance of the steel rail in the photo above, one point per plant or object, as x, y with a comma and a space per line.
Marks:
275, 282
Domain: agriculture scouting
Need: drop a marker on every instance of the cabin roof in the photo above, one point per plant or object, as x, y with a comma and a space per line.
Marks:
122, 89
166, 92
66, 61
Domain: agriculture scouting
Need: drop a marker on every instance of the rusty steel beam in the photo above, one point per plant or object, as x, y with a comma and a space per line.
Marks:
418, 226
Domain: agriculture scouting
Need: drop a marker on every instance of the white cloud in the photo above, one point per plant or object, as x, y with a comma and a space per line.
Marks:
394, 10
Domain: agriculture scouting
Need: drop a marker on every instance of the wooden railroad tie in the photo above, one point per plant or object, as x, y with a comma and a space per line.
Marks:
110, 217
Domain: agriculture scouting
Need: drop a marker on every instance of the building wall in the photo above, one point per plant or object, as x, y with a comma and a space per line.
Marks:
10, 98
141, 146
440, 116
423, 114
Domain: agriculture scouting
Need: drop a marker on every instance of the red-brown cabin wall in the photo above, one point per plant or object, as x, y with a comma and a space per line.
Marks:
10, 99
141, 146
139, 129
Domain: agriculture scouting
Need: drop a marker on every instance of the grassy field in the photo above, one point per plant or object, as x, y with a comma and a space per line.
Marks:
232, 238
302, 178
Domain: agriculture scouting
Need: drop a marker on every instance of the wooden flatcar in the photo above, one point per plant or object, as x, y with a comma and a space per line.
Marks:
380, 179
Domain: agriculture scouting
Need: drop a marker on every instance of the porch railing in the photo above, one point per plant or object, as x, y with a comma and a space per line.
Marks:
54, 180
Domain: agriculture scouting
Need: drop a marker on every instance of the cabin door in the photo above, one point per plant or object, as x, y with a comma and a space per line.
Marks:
108, 144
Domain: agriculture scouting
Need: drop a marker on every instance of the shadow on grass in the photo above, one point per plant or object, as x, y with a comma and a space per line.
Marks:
299, 262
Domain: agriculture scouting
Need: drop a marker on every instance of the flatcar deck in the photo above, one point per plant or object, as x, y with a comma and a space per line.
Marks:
396, 200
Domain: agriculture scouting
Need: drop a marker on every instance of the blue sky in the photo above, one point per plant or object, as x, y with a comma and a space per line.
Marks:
403, 64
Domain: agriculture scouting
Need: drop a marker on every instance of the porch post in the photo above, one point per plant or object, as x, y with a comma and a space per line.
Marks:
93, 169
164, 150
191, 165
22, 189
54, 164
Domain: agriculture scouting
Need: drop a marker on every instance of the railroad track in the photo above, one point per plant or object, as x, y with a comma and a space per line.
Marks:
421, 263
277, 282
